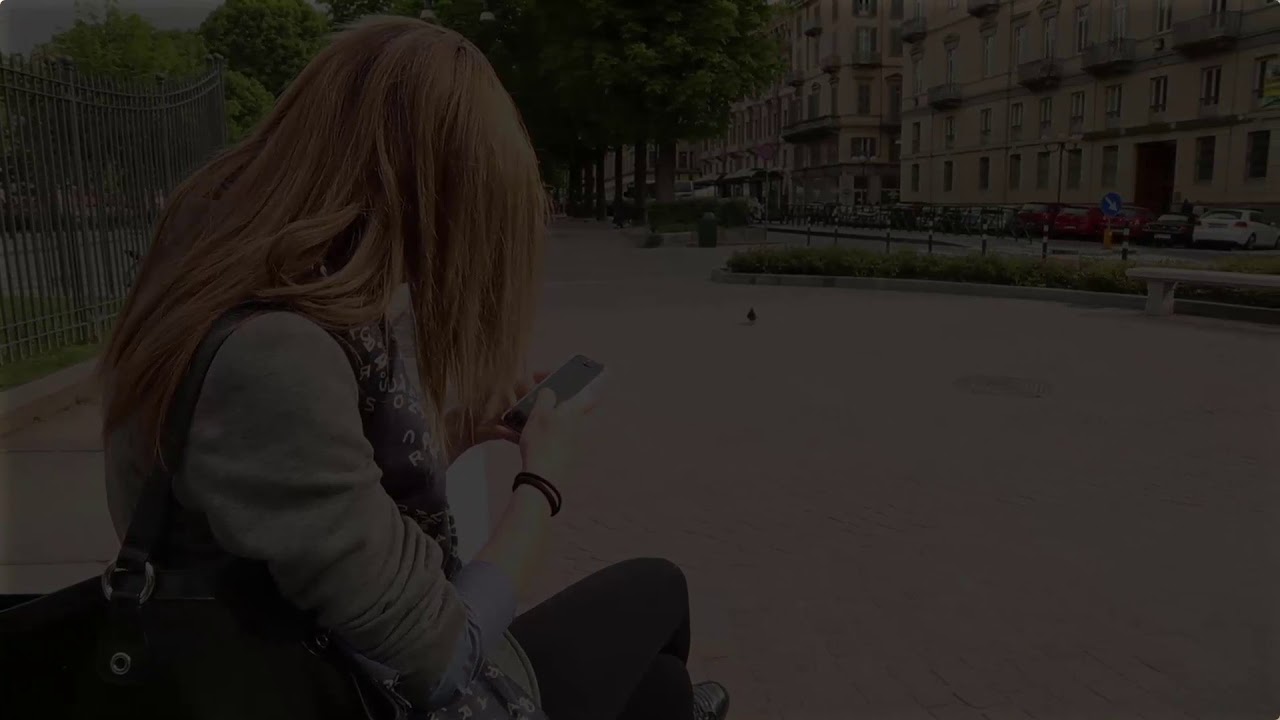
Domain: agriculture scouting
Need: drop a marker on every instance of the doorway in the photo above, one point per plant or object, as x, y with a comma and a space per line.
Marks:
1155, 164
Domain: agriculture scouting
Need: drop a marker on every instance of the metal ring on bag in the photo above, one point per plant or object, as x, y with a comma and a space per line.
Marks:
148, 582
120, 663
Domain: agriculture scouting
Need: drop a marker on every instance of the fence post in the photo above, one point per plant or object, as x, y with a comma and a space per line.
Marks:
984, 240
1044, 243
888, 238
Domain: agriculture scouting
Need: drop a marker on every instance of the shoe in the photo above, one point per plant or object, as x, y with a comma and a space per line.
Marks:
710, 701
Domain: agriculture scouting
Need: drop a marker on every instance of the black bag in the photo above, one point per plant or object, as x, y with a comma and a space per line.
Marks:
178, 634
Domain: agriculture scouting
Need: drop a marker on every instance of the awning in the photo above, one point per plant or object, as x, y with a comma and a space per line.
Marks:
707, 180
737, 177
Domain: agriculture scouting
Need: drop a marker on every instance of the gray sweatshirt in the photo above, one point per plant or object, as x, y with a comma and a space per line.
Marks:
278, 461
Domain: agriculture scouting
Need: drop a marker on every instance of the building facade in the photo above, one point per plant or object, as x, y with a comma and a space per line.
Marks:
1162, 101
687, 169
828, 129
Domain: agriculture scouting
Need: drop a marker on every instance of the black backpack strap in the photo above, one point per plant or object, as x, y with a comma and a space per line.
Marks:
131, 577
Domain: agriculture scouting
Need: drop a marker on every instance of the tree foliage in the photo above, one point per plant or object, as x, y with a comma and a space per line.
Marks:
343, 12
247, 103
122, 45
267, 40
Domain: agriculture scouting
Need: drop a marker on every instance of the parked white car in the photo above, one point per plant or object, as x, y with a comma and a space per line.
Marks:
1242, 228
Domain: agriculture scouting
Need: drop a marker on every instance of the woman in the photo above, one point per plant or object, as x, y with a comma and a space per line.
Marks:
395, 158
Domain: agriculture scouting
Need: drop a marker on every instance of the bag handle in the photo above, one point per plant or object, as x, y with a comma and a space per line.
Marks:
132, 577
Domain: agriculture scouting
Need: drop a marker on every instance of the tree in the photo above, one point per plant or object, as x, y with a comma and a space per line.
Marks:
343, 12
267, 40
247, 103
122, 45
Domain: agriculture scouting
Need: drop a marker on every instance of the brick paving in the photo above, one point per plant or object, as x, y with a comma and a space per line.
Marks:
877, 520
868, 537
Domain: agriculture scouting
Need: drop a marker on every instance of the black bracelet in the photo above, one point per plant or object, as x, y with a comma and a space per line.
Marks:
543, 485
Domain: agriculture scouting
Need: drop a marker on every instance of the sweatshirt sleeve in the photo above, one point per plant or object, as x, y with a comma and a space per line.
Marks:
278, 462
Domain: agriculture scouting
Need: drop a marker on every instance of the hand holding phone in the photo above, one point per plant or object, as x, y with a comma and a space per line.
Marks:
566, 382
550, 418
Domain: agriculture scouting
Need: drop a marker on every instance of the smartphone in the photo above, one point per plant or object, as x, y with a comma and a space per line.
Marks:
569, 380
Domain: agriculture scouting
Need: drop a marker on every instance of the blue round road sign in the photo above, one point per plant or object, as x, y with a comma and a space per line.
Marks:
1112, 204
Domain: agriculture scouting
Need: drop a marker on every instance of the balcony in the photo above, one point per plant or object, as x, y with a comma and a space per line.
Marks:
866, 58
914, 29
812, 129
1157, 114
1015, 132
796, 78
983, 8
1040, 75
1109, 58
1209, 108
1112, 120
1207, 34
984, 138
831, 63
1046, 129
813, 29
1075, 125
945, 97
949, 141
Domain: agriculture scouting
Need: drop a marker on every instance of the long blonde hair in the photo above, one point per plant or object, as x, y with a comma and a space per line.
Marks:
395, 156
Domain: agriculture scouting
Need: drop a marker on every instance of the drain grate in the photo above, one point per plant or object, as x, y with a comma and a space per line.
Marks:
1004, 386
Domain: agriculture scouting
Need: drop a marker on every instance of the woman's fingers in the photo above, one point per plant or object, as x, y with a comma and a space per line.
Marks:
586, 400
524, 387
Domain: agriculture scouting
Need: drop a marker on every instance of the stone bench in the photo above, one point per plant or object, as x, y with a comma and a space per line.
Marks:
1162, 281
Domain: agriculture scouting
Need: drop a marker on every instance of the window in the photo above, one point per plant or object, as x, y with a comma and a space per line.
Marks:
895, 148
953, 4
835, 99
895, 101
917, 79
1261, 67
1015, 171
947, 175
949, 130
915, 137
1110, 165
862, 147
813, 101
1114, 98
864, 98
1042, 170
895, 42
1164, 15
1082, 28
1015, 115
1159, 93
1217, 7
1019, 43
951, 65
1210, 86
1049, 36
984, 119
984, 173
1119, 19
683, 162
1046, 114
865, 7
895, 9
865, 41
1205, 149
1075, 162
1077, 105
1257, 151
835, 9
915, 177
988, 55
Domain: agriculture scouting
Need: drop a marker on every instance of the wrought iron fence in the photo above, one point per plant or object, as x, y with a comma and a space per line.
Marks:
85, 165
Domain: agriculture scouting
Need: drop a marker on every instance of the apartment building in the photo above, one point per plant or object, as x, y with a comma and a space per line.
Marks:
1012, 101
828, 130
687, 169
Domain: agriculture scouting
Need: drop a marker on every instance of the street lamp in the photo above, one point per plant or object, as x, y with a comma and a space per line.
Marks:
486, 15
428, 13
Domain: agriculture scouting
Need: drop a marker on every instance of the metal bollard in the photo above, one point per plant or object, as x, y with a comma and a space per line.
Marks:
1044, 244
888, 238
1124, 245
808, 235
984, 241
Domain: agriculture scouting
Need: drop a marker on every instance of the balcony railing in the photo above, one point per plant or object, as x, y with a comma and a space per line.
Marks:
1015, 132
1039, 75
1108, 57
984, 137
1209, 107
795, 78
1207, 33
831, 63
945, 96
811, 129
1046, 128
983, 8
813, 29
1156, 113
914, 29
866, 57
949, 141
1075, 125
1112, 120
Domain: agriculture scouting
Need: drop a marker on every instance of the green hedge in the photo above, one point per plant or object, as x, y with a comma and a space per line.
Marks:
730, 212
1096, 275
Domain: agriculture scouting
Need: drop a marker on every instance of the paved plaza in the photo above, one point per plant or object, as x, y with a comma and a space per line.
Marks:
892, 506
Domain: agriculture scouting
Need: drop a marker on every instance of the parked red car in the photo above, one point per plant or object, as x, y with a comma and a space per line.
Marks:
1133, 218
1032, 217
1079, 221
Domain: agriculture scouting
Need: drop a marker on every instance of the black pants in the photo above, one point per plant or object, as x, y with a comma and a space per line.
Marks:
613, 645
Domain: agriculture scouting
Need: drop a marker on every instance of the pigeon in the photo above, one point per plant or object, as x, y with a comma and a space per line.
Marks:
751, 316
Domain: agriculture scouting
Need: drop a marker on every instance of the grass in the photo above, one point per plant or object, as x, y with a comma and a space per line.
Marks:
1096, 275
20, 372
